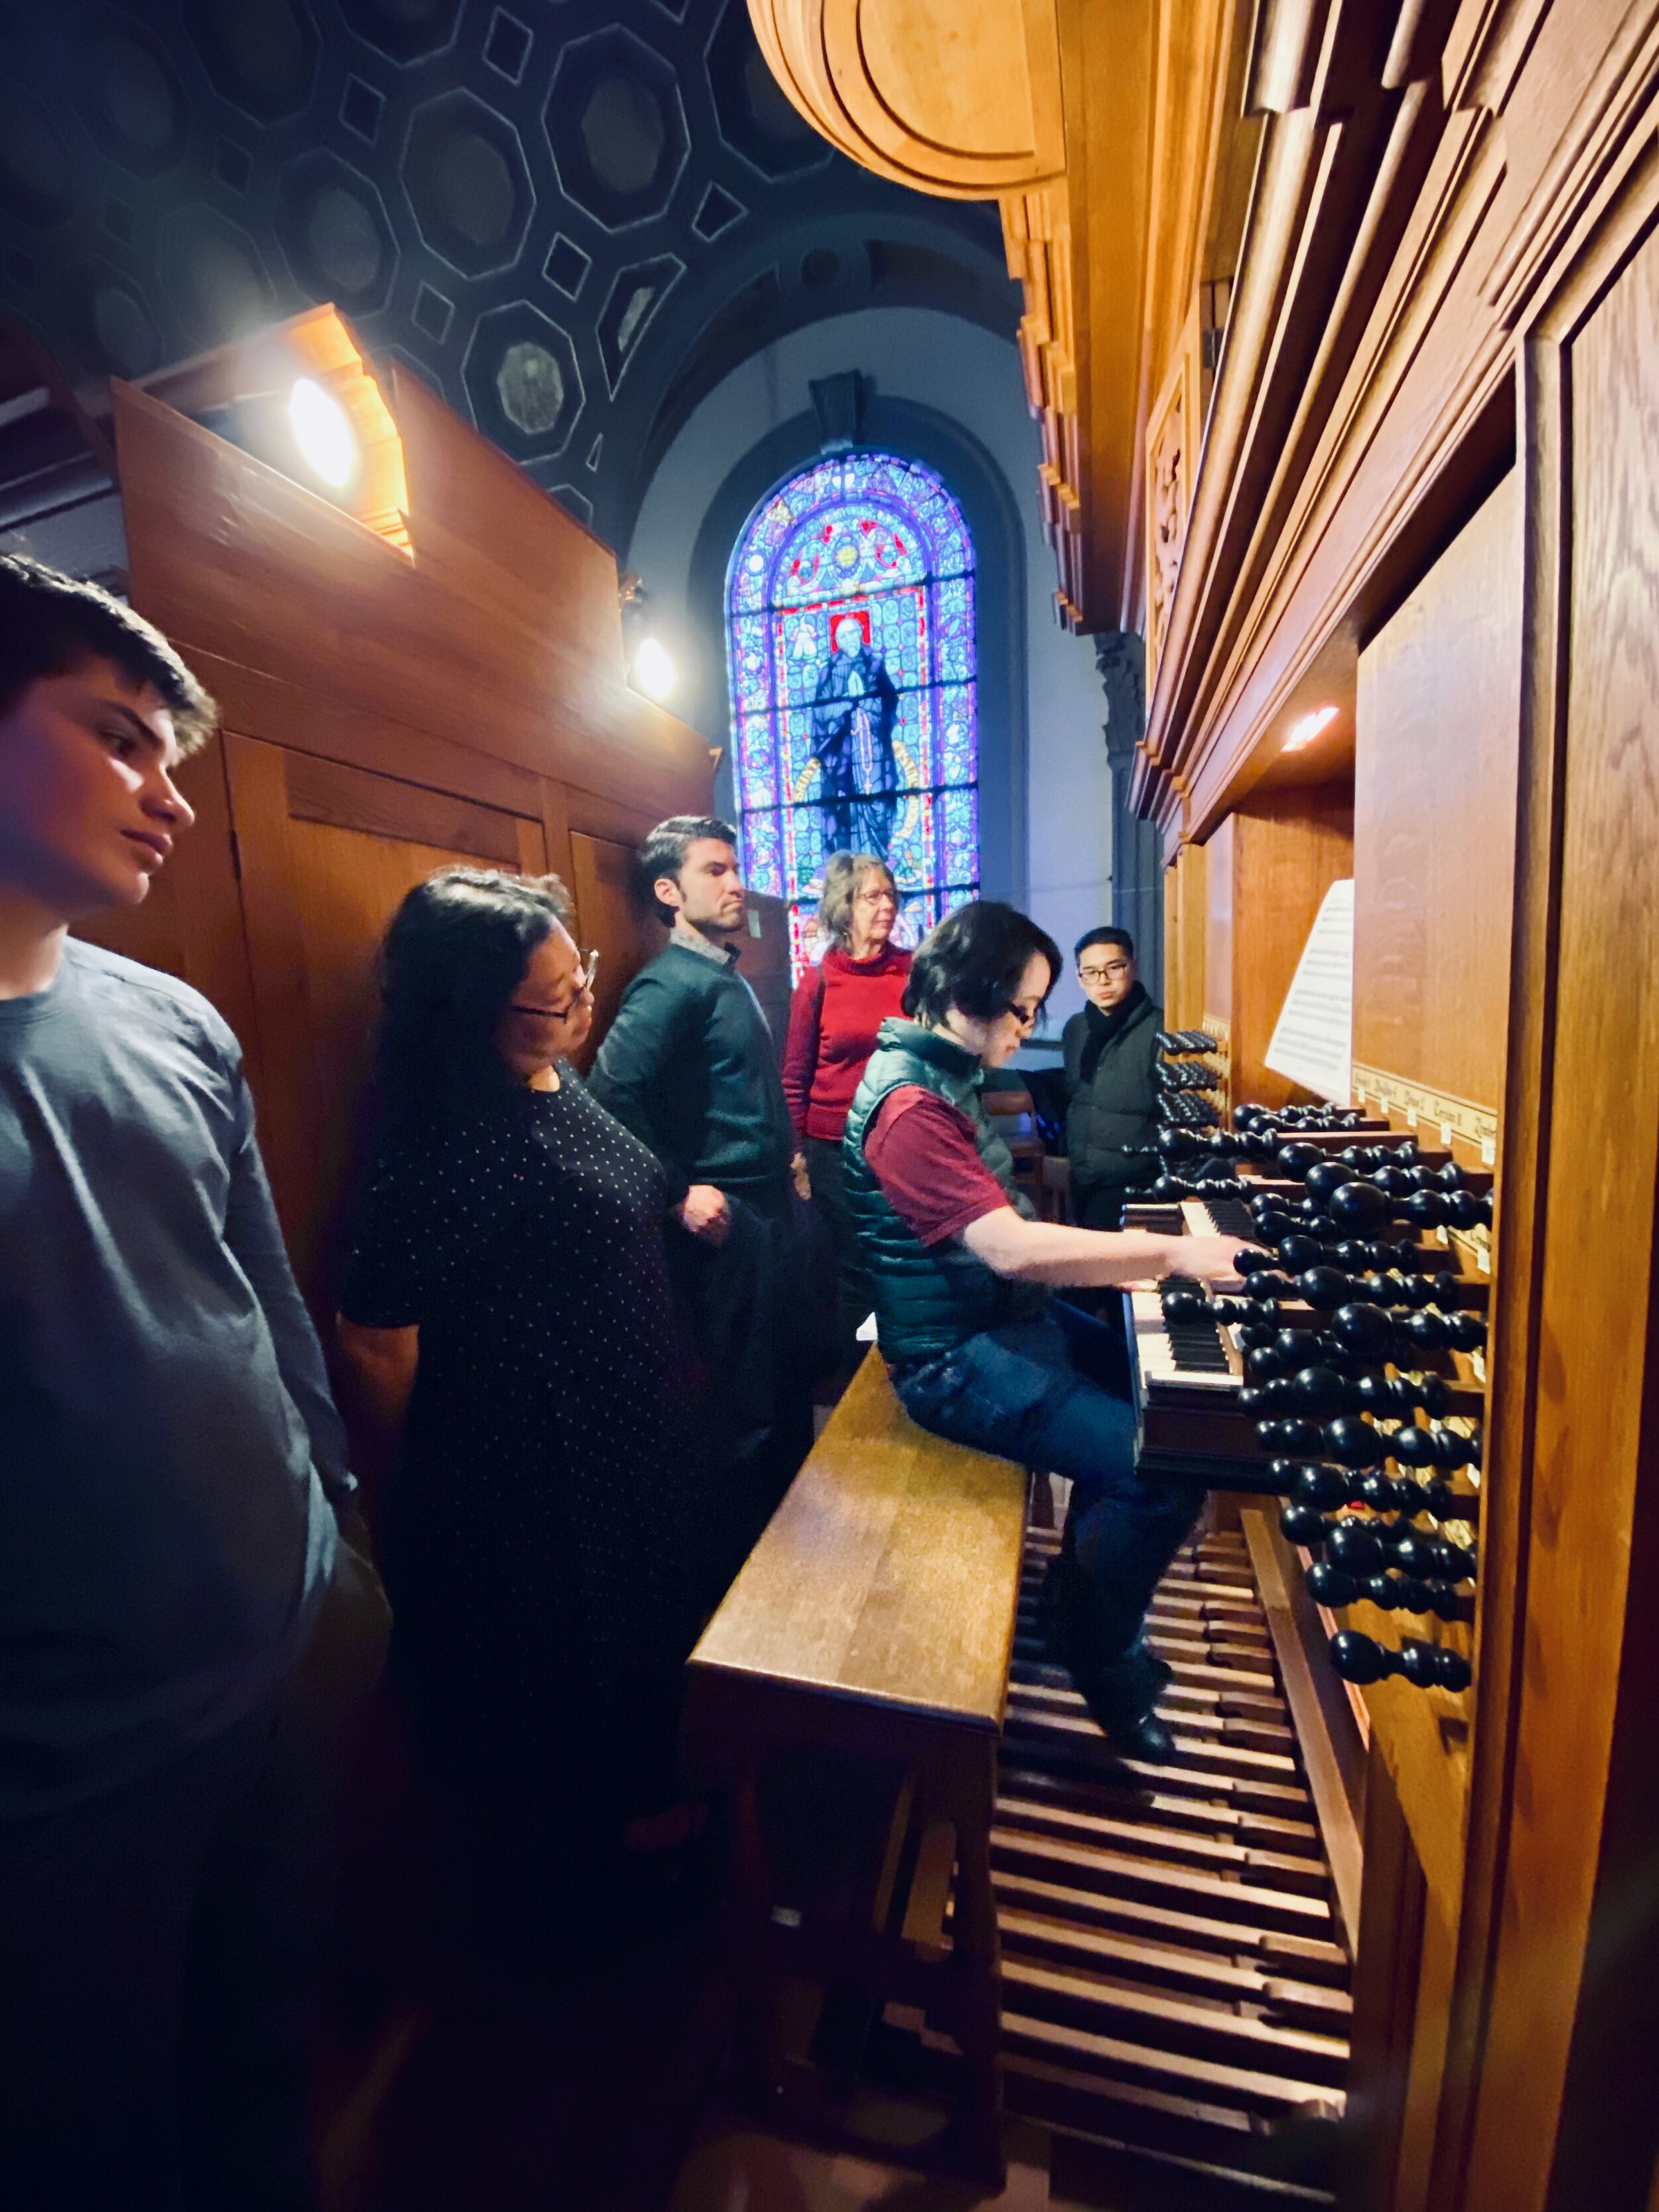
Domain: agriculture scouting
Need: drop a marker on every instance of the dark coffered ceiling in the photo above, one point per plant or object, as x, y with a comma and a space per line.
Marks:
573, 217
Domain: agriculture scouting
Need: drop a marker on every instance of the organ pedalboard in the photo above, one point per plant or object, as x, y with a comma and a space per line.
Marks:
1336, 1380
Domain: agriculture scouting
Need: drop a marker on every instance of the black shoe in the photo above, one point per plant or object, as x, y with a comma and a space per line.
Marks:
1131, 1731
1148, 1738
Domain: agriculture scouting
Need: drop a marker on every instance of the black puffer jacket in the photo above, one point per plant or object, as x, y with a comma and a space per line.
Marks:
1111, 1119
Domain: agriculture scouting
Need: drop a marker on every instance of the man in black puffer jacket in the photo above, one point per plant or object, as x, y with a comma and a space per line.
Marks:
1111, 1067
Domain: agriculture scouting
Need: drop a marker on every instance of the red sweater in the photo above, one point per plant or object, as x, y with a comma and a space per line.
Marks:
833, 1016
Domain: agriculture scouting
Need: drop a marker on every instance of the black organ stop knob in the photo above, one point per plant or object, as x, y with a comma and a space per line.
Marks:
1412, 1447
1321, 1390
1355, 1547
1366, 1329
1361, 1659
1304, 1525
1326, 1176
1330, 1585
1297, 1159
1311, 1484
1354, 1442
1358, 1208
1298, 1251
1324, 1288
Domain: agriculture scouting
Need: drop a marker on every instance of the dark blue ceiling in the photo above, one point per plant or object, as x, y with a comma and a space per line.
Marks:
573, 217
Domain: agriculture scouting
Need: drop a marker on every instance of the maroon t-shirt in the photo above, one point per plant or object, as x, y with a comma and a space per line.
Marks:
922, 1150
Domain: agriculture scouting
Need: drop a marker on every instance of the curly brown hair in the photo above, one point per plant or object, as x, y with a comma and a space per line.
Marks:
843, 874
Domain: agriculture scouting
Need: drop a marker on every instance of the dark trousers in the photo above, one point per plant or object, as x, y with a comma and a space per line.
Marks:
853, 1294
747, 1310
1053, 1393
155, 1950
160, 1949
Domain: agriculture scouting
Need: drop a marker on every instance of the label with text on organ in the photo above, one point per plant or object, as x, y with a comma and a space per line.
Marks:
1313, 1041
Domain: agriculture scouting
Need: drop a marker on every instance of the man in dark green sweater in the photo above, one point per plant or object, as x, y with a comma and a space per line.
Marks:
690, 1067
1111, 1069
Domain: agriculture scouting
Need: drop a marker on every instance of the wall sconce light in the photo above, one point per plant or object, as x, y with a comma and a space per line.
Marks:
1304, 732
322, 430
654, 668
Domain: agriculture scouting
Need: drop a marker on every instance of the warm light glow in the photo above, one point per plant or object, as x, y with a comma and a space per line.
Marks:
653, 669
1304, 732
322, 430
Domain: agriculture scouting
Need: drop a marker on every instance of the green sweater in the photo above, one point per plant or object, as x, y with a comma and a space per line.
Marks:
689, 1065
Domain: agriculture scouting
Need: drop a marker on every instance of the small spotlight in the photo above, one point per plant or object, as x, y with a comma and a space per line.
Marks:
323, 432
1304, 732
654, 668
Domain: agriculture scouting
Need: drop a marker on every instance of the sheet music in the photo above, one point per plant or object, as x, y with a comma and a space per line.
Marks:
1313, 1041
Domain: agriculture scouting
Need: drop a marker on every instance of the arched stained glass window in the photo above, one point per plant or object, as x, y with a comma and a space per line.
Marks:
854, 723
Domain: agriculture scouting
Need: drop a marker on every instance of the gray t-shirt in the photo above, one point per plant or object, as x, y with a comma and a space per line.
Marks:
166, 1426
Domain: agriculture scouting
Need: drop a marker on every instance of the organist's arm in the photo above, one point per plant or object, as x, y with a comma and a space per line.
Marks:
922, 1153
1049, 1252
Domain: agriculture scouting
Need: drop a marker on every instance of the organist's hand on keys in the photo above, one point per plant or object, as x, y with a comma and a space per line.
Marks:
1049, 1252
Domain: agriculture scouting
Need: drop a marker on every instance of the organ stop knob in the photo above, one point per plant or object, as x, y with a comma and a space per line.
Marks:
1363, 1660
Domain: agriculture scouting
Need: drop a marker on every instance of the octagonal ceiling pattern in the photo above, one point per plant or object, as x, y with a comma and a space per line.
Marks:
570, 217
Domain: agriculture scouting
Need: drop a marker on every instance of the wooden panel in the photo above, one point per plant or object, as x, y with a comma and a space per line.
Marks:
451, 641
329, 792
869, 1581
1185, 977
610, 915
1216, 876
459, 480
258, 704
1289, 847
1387, 1967
1564, 2112
1434, 817
328, 854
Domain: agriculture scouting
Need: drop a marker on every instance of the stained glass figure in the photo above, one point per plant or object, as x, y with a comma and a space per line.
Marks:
850, 607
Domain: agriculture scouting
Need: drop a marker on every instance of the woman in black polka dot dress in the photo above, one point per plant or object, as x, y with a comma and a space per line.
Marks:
507, 1308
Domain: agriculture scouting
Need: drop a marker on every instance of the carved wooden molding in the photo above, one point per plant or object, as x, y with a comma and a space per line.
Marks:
1312, 475
1172, 439
959, 102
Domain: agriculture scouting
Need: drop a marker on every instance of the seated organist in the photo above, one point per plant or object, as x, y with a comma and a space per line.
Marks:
980, 1349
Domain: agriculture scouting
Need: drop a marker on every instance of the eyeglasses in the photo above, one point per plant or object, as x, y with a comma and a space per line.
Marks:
1027, 1017
1112, 968
585, 974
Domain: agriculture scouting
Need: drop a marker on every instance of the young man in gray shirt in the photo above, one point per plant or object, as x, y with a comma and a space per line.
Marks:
171, 1468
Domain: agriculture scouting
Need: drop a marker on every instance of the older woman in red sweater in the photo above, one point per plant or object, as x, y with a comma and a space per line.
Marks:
833, 1019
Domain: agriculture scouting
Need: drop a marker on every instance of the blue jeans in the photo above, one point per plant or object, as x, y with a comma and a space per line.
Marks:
1053, 1393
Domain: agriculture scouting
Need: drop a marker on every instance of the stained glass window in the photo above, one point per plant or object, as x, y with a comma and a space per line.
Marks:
855, 722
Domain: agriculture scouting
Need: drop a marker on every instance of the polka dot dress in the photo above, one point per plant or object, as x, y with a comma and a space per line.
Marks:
543, 1518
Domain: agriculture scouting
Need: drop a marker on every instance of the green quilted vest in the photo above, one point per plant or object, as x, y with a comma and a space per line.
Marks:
928, 1298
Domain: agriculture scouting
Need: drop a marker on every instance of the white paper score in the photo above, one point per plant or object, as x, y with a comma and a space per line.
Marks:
1313, 1041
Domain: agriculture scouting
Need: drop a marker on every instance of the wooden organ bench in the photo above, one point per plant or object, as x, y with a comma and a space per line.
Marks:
874, 1620
1148, 1955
